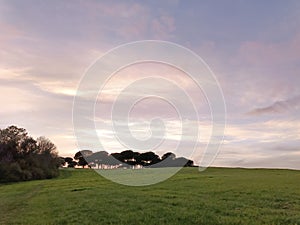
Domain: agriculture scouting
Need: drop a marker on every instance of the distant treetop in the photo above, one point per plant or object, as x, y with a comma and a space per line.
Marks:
128, 159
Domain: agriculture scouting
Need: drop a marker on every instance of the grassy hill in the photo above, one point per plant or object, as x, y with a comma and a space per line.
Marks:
215, 196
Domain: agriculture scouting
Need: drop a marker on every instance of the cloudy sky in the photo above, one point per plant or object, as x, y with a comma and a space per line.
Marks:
253, 48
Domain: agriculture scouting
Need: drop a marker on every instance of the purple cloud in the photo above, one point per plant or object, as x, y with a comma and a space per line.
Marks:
277, 107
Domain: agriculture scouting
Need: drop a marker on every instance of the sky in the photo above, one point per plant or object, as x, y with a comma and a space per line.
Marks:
252, 47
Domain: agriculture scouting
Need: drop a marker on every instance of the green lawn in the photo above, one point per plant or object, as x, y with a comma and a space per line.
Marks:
215, 196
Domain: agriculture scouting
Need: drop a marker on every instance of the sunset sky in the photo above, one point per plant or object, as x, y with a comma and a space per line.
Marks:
253, 48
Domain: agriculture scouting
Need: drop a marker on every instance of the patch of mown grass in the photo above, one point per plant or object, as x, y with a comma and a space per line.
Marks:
215, 196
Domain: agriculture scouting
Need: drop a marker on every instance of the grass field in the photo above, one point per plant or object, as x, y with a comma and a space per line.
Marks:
215, 196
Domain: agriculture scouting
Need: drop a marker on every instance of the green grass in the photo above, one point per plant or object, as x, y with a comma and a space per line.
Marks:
215, 196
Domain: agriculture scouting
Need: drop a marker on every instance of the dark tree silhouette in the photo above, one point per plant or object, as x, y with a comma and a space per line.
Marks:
71, 162
127, 155
130, 158
169, 155
149, 158
24, 158
68, 159
168, 159
118, 156
189, 163
127, 159
82, 162
137, 158
82, 153
82, 157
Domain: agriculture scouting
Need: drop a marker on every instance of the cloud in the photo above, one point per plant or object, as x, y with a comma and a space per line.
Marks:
91, 21
9, 32
163, 27
271, 143
278, 154
270, 131
19, 101
277, 107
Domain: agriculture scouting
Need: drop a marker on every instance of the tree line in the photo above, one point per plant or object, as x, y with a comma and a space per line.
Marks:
125, 159
25, 158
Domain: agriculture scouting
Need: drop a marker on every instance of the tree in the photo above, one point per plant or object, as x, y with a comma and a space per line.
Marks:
24, 158
71, 162
189, 163
45, 145
28, 146
127, 158
82, 157
149, 158
127, 155
169, 155
11, 139
168, 159
82, 153
137, 158
118, 156
82, 162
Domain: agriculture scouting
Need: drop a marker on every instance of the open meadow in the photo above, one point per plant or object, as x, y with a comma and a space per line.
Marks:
215, 196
